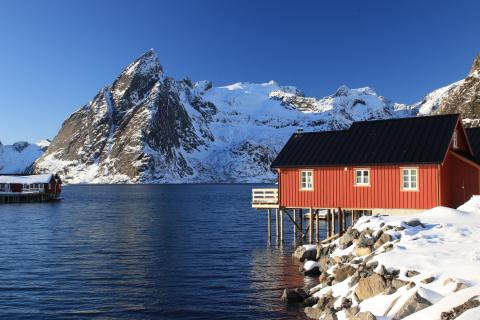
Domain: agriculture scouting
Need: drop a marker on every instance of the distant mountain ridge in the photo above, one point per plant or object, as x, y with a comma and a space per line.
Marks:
19, 157
147, 127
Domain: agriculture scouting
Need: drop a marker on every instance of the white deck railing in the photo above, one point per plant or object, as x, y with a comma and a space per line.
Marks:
266, 196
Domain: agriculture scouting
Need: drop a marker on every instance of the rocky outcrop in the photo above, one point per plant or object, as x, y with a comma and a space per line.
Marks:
370, 286
413, 304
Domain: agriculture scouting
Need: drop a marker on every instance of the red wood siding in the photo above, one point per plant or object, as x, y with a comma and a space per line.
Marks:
334, 187
459, 181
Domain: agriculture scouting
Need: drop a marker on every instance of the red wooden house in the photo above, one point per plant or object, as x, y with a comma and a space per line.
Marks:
383, 166
17, 188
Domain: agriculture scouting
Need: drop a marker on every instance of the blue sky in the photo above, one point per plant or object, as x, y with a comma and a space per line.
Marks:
56, 55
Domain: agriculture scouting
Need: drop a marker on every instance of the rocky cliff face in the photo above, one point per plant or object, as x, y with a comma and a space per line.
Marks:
461, 97
147, 127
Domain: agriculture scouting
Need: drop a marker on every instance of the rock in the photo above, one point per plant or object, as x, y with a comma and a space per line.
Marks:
310, 268
384, 238
344, 272
326, 301
363, 251
428, 280
413, 304
370, 286
307, 252
365, 241
412, 273
458, 284
458, 310
325, 251
345, 303
350, 313
414, 223
297, 295
397, 283
310, 301
328, 315
313, 312
348, 238
365, 316
388, 247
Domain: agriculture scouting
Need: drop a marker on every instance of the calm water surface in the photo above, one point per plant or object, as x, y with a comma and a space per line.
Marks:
144, 252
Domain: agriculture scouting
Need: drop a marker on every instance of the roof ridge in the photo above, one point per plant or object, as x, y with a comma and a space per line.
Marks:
411, 118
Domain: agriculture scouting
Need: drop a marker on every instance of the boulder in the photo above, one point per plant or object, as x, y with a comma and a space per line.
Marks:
382, 239
310, 301
297, 295
458, 310
428, 280
414, 223
370, 286
413, 304
365, 241
367, 315
458, 285
412, 273
325, 251
363, 251
313, 312
307, 252
397, 283
344, 272
310, 268
350, 313
348, 238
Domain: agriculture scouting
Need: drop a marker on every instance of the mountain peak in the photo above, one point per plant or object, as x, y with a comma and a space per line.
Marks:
147, 63
475, 65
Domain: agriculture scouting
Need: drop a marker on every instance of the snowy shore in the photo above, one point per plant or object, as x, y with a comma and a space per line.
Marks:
423, 266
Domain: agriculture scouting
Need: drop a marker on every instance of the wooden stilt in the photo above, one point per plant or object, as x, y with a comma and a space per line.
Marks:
277, 225
269, 213
317, 225
294, 222
310, 233
345, 224
281, 224
329, 224
301, 219
340, 222
333, 222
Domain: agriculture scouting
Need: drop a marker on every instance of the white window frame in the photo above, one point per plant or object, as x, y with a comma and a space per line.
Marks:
455, 139
306, 185
406, 177
364, 182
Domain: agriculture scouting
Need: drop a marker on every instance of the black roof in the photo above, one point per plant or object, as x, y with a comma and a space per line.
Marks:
419, 140
474, 138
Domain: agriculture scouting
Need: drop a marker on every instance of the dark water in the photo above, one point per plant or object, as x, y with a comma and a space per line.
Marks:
143, 252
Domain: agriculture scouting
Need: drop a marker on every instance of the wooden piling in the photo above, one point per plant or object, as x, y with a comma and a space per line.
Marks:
340, 221
328, 223
277, 225
294, 221
317, 224
269, 214
332, 228
310, 233
281, 224
301, 219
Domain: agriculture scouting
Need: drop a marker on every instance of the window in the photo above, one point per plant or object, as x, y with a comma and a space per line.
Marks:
306, 180
455, 140
410, 179
362, 177
2, 187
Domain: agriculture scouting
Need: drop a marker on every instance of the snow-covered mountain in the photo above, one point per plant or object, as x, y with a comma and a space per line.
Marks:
460, 97
147, 127
19, 157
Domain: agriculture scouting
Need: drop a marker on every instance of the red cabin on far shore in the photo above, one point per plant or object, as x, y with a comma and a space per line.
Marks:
31, 188
384, 166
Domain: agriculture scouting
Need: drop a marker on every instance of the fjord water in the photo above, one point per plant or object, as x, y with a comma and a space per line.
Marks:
144, 252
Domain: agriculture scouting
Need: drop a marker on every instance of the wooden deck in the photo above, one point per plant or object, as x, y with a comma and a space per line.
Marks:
26, 197
266, 198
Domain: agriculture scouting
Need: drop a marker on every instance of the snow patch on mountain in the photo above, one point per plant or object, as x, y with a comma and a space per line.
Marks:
19, 157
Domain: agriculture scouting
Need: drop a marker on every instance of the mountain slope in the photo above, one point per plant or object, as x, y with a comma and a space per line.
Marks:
460, 97
150, 128
19, 157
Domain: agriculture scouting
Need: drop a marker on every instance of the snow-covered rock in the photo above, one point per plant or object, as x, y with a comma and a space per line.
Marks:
427, 265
